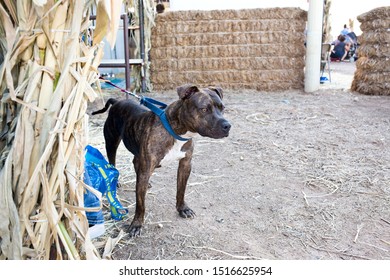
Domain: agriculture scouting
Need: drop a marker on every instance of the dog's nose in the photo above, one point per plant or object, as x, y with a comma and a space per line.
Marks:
226, 126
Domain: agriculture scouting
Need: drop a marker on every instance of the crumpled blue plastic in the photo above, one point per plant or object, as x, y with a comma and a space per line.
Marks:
103, 177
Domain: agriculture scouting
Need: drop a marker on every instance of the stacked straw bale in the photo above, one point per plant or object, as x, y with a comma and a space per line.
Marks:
372, 73
261, 49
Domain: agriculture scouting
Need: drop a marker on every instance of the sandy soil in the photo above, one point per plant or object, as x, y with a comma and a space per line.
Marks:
302, 176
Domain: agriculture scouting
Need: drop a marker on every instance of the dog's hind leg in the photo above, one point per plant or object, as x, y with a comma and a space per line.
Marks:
143, 172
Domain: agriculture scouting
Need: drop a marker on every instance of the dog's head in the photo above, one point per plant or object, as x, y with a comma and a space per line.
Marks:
204, 110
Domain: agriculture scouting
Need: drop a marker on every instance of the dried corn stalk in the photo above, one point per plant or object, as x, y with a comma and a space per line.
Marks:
45, 83
326, 28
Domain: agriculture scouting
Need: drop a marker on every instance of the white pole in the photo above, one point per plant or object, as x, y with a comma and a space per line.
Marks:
313, 45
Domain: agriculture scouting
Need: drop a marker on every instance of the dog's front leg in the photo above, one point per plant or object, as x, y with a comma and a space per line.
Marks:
183, 173
143, 173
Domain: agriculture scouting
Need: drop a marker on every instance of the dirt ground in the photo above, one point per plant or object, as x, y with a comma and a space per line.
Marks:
301, 176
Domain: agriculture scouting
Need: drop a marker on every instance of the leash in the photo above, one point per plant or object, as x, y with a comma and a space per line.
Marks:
157, 107
121, 89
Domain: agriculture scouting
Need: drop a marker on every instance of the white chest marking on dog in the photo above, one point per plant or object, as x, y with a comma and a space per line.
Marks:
175, 153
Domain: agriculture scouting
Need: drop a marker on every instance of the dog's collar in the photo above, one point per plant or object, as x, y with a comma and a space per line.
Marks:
159, 110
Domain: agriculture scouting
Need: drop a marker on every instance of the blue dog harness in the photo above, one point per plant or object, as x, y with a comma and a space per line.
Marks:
159, 110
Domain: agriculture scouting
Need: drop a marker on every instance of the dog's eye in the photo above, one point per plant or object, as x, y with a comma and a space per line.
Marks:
204, 110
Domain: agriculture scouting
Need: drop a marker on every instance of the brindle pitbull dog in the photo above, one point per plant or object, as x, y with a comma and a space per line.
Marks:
198, 111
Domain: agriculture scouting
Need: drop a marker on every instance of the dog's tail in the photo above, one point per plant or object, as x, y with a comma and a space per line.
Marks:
109, 102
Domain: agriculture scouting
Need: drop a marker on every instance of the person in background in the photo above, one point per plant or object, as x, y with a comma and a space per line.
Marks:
340, 50
345, 31
335, 42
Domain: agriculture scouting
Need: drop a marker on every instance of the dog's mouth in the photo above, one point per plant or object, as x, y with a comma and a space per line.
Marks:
217, 132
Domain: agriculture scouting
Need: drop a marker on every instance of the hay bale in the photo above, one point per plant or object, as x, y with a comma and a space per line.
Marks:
371, 89
255, 49
372, 64
230, 78
237, 50
372, 77
381, 13
244, 14
227, 38
219, 26
374, 50
377, 36
373, 67
215, 64
375, 24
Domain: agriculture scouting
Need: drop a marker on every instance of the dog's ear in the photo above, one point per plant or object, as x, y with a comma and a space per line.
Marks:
185, 91
218, 91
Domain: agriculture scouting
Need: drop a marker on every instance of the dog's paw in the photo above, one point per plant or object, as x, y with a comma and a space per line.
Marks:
186, 213
134, 230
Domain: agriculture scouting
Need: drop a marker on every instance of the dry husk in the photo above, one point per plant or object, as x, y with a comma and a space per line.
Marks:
326, 25
45, 84
254, 49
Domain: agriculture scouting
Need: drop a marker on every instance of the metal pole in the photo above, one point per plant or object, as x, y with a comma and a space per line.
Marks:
127, 56
142, 43
313, 45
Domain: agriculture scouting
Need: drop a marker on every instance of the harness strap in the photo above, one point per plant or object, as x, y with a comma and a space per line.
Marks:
160, 112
